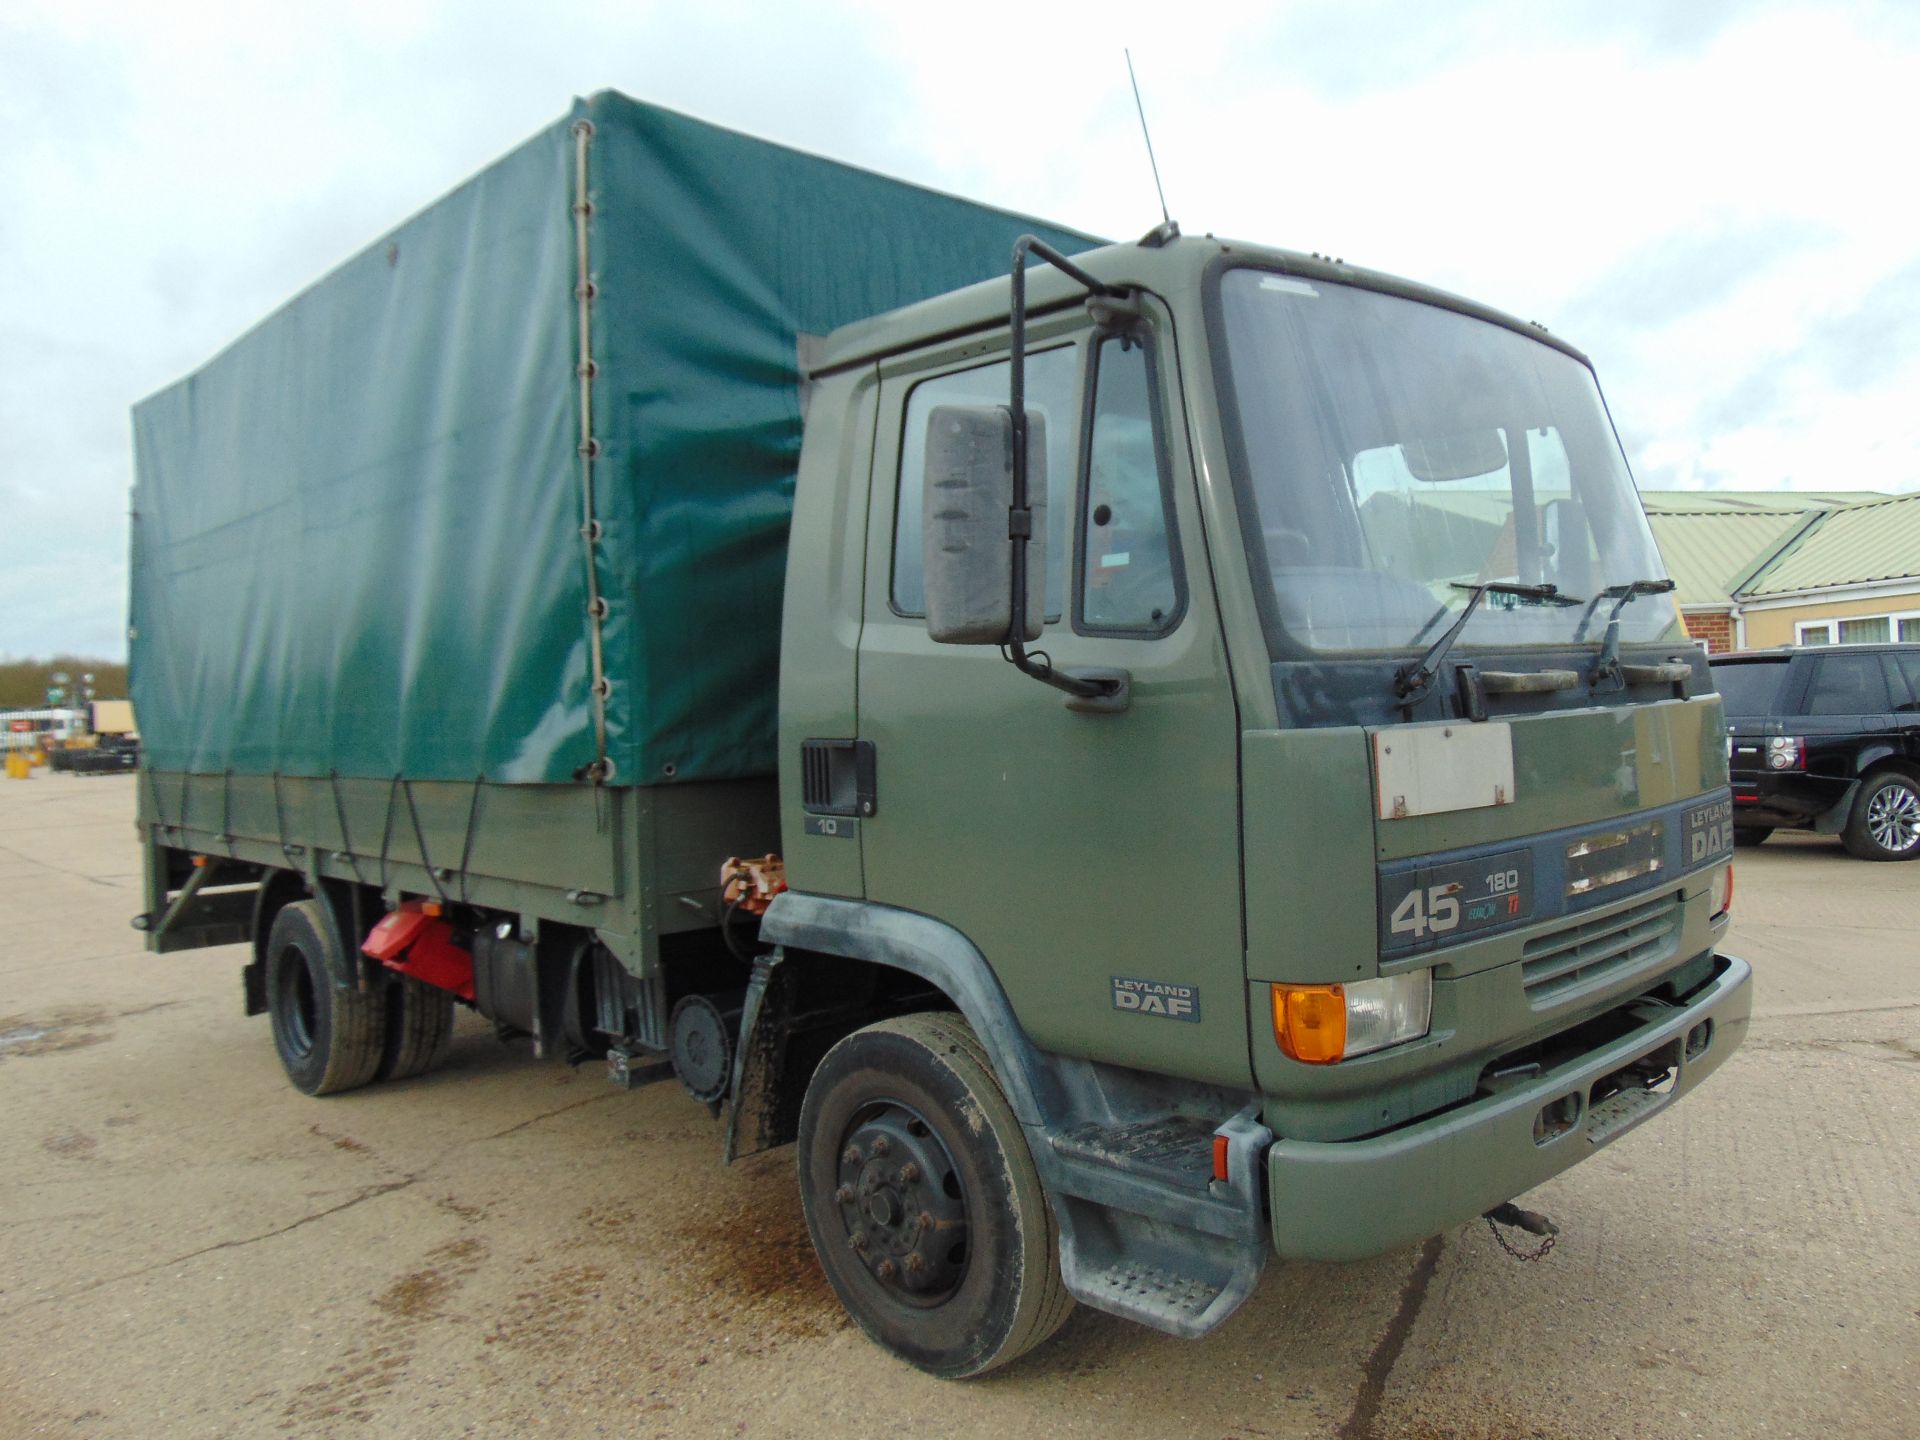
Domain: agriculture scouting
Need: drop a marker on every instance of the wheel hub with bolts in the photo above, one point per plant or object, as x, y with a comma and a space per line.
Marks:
1893, 818
902, 1204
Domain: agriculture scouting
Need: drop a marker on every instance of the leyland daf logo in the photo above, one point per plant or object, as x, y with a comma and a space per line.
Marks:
1157, 997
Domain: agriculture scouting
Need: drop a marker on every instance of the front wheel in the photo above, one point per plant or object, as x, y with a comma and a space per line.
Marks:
1885, 823
922, 1199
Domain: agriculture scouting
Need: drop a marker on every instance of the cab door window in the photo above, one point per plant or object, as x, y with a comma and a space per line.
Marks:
1051, 398
1130, 583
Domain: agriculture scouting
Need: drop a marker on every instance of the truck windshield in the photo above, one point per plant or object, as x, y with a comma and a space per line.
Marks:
1392, 452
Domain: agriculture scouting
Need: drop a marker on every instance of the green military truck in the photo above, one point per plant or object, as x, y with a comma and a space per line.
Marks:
1335, 846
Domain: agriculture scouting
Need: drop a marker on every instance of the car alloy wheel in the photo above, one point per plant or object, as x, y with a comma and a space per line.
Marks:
1893, 817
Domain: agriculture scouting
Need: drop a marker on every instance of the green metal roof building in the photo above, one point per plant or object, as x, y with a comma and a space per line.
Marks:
1792, 567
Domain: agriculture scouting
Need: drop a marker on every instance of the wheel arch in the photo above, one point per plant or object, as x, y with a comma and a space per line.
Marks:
822, 944
935, 952
1884, 759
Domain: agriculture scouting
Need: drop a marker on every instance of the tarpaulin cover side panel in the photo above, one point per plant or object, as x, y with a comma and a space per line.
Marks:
355, 534
356, 537
713, 252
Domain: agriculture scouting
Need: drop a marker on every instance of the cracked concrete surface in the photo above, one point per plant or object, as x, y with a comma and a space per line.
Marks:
189, 1247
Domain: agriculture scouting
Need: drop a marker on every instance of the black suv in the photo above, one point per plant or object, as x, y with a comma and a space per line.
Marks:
1826, 738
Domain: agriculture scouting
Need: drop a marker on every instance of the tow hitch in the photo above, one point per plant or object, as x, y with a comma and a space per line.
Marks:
1512, 1216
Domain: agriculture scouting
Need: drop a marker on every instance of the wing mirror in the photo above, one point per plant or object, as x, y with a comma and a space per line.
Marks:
967, 545
985, 502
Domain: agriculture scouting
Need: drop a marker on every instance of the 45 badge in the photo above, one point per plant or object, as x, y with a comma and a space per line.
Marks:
1423, 907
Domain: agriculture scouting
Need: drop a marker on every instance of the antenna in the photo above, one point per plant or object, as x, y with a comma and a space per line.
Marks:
1148, 137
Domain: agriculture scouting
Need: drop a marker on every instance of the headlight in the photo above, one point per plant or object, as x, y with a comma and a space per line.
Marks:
1322, 1024
1722, 891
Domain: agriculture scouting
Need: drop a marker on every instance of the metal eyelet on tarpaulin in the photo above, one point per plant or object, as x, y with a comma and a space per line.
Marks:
585, 370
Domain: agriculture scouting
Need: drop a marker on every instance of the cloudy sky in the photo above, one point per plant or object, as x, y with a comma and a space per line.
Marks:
1714, 198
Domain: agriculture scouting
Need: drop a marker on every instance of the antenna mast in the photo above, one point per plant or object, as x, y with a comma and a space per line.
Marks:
1148, 137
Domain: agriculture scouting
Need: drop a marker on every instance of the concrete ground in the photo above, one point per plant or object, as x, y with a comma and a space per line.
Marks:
190, 1247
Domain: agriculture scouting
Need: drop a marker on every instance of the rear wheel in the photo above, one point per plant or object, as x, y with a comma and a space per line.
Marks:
923, 1202
1885, 823
419, 1029
329, 1039
1751, 834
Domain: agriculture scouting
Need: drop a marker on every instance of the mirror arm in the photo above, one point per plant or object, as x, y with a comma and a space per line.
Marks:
1020, 515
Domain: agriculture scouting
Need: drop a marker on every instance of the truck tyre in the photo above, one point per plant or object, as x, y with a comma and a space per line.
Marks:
1751, 834
923, 1202
1885, 823
419, 1029
329, 1039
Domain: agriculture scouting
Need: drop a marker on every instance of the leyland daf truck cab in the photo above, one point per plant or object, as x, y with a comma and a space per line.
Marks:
1238, 790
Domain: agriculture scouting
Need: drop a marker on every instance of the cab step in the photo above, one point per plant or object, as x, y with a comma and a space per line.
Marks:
1134, 1289
1176, 1150
1147, 1231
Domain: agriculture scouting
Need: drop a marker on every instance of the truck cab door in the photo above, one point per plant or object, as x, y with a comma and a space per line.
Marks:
1092, 859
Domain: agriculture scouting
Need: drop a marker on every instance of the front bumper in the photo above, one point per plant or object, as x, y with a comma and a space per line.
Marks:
1348, 1199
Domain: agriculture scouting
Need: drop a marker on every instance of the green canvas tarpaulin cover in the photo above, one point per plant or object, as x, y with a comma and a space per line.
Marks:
357, 535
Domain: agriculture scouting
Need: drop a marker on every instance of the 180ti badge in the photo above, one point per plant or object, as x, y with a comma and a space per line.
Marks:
1434, 904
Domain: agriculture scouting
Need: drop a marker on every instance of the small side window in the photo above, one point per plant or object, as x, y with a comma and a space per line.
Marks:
1849, 685
1129, 571
1050, 387
1909, 666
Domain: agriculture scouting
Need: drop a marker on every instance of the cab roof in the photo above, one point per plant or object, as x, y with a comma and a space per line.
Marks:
1166, 269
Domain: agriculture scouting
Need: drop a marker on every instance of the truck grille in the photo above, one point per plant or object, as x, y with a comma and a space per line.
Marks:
1554, 966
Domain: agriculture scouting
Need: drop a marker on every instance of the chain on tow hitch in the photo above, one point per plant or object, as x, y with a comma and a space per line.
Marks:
1512, 1215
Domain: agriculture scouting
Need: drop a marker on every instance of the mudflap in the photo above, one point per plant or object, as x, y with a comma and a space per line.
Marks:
765, 1108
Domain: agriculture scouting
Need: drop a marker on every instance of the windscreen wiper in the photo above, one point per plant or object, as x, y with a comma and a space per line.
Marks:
1411, 682
1607, 668
1624, 596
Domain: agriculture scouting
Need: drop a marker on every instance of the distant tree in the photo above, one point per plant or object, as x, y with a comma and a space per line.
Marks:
23, 683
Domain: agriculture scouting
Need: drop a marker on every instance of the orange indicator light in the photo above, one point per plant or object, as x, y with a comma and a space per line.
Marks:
1310, 1022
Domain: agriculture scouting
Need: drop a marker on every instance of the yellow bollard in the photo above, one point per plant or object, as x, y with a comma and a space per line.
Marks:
18, 766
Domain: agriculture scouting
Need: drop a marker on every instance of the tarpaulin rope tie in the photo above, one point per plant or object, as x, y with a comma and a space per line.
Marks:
466, 845
420, 839
386, 830
159, 812
346, 840
280, 817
